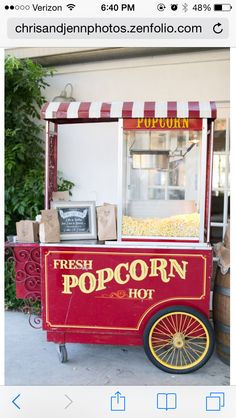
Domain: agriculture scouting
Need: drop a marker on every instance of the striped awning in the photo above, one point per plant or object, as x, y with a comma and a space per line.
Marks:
57, 111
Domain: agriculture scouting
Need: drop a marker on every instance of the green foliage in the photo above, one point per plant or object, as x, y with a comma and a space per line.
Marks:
63, 184
24, 153
11, 302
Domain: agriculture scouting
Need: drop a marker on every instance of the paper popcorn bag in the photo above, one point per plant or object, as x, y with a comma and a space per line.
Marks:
106, 222
27, 231
65, 196
49, 228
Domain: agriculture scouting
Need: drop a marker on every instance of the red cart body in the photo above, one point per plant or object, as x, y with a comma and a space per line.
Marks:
108, 295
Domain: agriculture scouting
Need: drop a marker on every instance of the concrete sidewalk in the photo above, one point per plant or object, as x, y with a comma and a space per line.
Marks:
30, 360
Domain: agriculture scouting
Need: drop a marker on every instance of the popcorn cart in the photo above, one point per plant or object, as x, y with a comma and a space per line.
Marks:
151, 285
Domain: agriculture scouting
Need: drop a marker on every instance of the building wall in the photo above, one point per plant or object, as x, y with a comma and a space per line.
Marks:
201, 75
87, 154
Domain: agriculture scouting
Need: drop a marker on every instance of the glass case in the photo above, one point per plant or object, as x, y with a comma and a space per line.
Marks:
161, 183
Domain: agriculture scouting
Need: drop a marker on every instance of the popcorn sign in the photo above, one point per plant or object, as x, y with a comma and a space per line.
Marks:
164, 269
163, 124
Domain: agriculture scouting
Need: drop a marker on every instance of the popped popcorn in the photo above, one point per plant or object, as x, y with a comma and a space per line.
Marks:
186, 225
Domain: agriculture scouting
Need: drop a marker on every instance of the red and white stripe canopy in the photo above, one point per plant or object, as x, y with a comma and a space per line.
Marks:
57, 111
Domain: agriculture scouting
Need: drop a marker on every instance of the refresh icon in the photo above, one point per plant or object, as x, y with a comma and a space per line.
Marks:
217, 28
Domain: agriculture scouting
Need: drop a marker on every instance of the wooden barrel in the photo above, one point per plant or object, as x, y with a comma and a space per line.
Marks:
221, 315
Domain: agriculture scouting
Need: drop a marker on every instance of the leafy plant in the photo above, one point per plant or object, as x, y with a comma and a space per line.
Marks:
25, 82
11, 302
24, 153
63, 184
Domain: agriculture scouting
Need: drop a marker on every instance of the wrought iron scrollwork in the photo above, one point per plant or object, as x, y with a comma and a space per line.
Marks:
32, 308
27, 278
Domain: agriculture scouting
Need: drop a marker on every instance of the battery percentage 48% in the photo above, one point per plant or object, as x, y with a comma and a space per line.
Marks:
202, 7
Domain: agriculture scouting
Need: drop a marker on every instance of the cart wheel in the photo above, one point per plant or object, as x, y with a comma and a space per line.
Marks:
179, 340
62, 353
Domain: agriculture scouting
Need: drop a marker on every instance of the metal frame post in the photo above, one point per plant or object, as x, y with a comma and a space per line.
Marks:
50, 162
120, 179
46, 202
203, 179
210, 182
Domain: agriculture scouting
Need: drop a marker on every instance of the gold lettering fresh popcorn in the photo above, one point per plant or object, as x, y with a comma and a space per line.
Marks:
175, 226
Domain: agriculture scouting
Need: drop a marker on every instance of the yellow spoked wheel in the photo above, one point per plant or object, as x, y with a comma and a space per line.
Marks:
179, 340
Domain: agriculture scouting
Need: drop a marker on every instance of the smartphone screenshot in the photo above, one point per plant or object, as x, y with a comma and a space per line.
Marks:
116, 186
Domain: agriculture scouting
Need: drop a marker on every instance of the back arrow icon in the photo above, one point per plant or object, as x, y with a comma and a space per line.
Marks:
70, 402
14, 401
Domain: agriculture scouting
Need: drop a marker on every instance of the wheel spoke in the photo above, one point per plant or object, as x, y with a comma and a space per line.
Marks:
185, 362
165, 329
198, 326
161, 333
165, 353
160, 346
176, 363
195, 345
183, 324
190, 355
164, 325
169, 319
194, 350
173, 323
173, 355
191, 322
187, 355
159, 339
177, 321
200, 337
180, 322
199, 343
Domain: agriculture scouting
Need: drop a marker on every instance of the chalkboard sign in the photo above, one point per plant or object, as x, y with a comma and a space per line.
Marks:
74, 220
77, 219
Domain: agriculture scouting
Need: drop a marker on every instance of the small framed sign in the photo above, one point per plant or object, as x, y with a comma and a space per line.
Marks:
77, 219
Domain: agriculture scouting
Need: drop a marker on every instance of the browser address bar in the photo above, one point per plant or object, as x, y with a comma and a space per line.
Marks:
117, 28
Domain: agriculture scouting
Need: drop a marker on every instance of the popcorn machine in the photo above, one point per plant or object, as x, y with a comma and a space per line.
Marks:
163, 196
150, 286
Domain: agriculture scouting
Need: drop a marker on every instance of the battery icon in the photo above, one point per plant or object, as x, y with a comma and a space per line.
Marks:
222, 7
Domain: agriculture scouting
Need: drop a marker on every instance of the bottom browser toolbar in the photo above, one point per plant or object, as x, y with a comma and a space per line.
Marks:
124, 401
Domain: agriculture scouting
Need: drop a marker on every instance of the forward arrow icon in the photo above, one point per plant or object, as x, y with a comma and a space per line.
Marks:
70, 401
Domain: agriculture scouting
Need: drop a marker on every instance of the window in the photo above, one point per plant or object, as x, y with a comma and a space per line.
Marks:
220, 211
